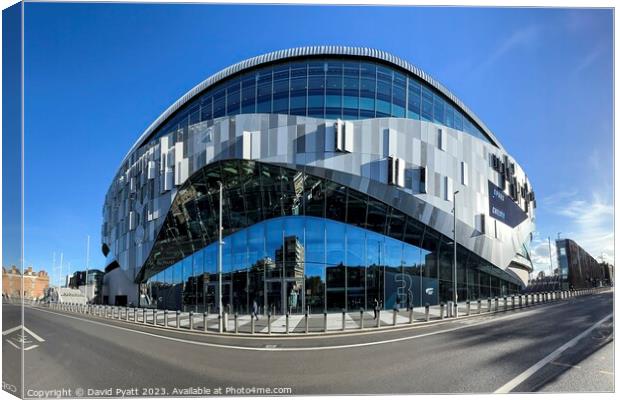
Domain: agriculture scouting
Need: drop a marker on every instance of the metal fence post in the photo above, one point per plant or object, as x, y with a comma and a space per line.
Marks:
361, 318
324, 322
269, 323
306, 322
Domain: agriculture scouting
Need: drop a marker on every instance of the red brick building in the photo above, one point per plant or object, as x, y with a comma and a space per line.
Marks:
35, 283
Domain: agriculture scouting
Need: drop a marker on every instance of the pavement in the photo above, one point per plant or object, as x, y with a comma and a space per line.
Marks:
563, 346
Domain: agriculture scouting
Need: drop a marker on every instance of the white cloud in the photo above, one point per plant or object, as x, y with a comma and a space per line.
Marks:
588, 222
525, 36
590, 58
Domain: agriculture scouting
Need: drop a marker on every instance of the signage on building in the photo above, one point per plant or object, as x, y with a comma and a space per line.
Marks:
503, 208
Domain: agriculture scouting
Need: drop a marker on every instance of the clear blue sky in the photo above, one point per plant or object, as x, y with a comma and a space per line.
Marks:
98, 74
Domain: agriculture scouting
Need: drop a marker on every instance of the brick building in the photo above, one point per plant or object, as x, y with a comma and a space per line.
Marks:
35, 283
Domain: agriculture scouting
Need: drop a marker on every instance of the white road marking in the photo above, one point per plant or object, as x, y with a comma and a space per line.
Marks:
605, 372
534, 368
34, 335
334, 347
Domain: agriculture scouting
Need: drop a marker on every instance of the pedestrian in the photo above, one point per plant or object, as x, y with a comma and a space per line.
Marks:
255, 309
375, 307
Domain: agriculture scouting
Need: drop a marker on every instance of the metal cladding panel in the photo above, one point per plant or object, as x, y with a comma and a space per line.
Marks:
310, 51
266, 138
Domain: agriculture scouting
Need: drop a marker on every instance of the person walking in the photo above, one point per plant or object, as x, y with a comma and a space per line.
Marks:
375, 307
255, 309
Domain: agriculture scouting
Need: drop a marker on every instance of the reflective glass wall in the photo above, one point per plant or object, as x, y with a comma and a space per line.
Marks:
324, 88
300, 262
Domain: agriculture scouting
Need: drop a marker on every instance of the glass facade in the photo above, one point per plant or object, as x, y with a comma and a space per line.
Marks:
323, 88
294, 241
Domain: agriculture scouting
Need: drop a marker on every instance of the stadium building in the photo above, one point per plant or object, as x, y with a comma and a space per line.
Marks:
341, 169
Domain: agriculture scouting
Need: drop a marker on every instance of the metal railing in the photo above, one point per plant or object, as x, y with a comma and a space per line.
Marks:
309, 323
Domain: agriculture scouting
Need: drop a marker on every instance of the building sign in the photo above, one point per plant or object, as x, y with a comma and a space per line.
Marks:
503, 208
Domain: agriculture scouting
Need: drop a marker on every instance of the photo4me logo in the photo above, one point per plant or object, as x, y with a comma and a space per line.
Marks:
9, 387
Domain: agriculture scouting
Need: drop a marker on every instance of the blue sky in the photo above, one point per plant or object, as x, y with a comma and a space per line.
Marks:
98, 74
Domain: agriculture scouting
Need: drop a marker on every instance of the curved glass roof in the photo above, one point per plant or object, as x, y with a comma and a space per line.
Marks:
323, 82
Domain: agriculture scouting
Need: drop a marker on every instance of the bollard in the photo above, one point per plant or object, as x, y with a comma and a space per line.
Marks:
220, 328
361, 318
324, 322
489, 305
427, 312
479, 306
441, 307
126, 313
512, 301
306, 321
455, 313
537, 298
378, 318
468, 307
287, 322
236, 323
411, 315
394, 316
135, 314
178, 321
520, 302
269, 323
144, 315
191, 320
505, 303
251, 323
496, 304
343, 319
154, 317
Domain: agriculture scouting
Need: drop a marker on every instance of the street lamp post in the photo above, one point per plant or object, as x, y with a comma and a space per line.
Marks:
219, 262
454, 295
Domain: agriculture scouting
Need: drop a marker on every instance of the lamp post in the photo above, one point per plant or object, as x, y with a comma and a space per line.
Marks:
454, 295
219, 261
550, 257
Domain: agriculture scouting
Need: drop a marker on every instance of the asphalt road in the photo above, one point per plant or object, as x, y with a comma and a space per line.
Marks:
476, 355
